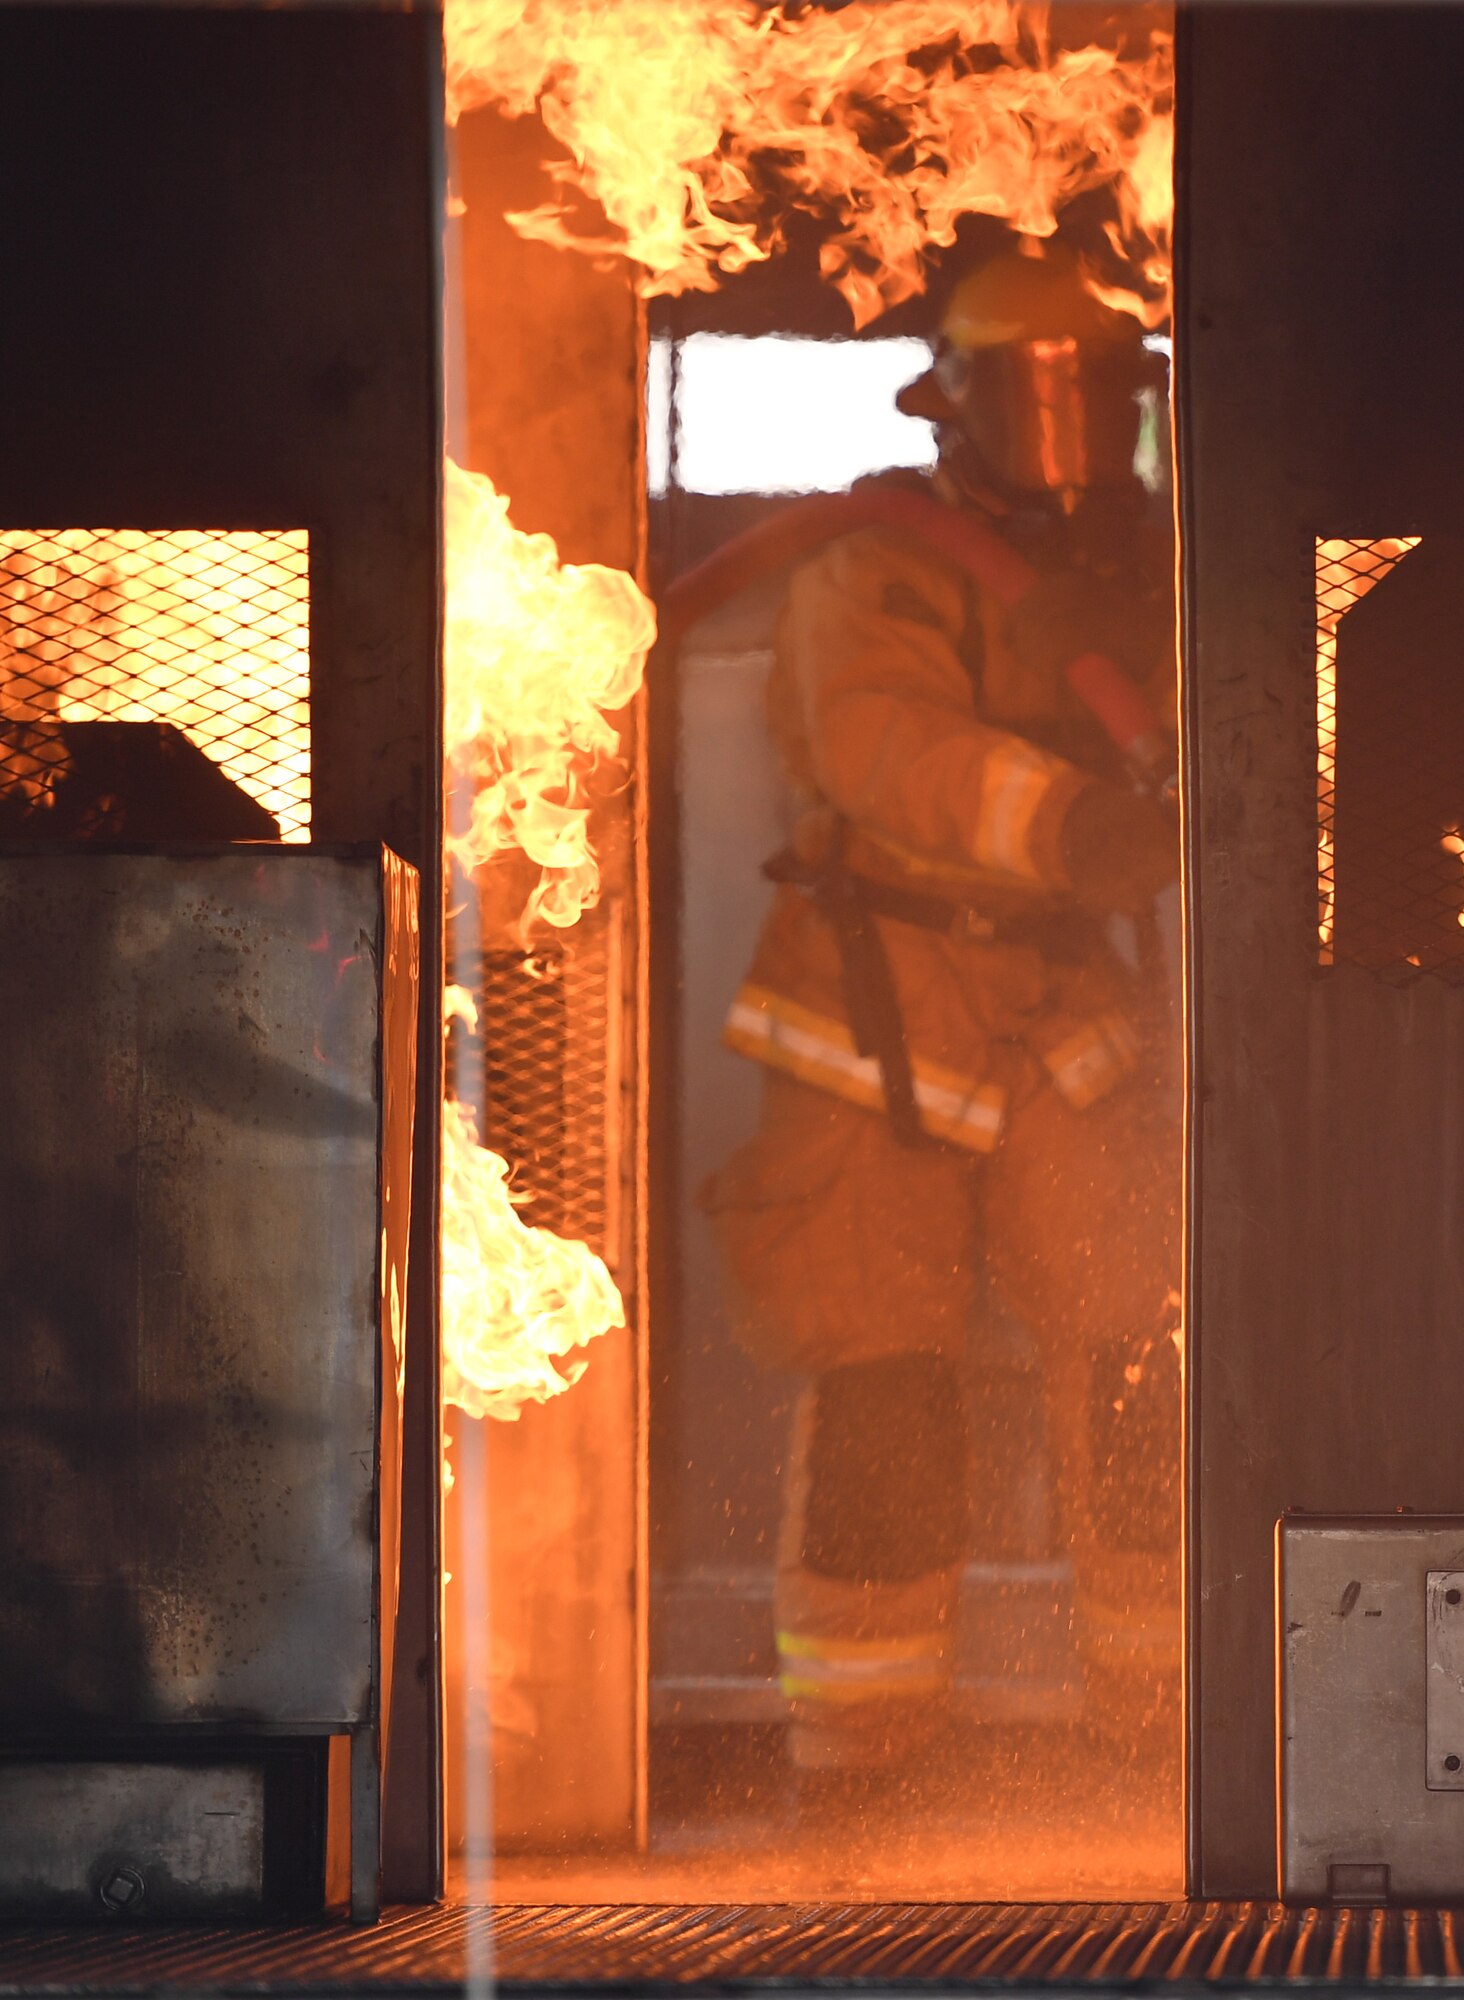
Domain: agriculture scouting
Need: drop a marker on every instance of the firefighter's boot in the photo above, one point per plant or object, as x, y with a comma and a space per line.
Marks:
874, 1529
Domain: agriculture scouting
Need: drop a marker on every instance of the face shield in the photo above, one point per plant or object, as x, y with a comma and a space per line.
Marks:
1056, 417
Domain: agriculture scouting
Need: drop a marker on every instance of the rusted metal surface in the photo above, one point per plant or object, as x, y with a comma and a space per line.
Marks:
92, 1840
1318, 371
398, 1102
637, 1948
205, 1199
190, 1227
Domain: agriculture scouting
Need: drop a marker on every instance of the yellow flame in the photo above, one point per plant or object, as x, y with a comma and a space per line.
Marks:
697, 124
1145, 193
515, 1299
458, 1004
539, 655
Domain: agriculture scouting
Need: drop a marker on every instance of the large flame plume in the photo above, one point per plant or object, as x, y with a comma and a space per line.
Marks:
539, 656
696, 125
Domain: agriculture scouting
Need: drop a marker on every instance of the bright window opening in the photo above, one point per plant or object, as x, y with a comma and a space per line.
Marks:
780, 415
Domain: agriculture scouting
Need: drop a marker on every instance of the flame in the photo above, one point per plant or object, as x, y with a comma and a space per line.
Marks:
1141, 236
515, 1299
539, 655
458, 1004
696, 125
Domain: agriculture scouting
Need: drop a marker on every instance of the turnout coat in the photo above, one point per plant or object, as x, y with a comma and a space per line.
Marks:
942, 761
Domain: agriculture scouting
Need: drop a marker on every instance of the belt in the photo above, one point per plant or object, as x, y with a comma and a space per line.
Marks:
871, 1003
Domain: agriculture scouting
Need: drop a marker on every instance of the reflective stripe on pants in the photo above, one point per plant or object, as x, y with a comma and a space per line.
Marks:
864, 1666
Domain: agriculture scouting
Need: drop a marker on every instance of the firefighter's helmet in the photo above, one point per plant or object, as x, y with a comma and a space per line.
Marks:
1036, 377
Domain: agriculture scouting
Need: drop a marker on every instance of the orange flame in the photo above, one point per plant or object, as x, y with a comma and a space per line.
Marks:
539, 655
515, 1299
1145, 193
696, 124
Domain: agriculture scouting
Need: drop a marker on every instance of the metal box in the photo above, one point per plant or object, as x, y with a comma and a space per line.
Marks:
206, 1106
83, 1839
1370, 1670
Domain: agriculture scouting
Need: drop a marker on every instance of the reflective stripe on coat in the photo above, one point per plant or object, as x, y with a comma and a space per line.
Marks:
819, 1049
877, 716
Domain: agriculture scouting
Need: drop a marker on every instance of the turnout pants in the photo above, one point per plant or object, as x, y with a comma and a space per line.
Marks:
860, 1261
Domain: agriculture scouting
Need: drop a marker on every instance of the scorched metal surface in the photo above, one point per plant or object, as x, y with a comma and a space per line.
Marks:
205, 1142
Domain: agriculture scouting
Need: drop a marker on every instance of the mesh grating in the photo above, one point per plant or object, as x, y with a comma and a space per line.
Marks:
549, 1035
638, 1948
1390, 885
208, 631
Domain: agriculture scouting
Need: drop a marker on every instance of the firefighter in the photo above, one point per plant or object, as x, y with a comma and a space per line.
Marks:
960, 1068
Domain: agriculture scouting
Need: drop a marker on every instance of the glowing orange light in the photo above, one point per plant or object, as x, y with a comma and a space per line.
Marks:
539, 655
696, 125
515, 1300
1347, 569
209, 631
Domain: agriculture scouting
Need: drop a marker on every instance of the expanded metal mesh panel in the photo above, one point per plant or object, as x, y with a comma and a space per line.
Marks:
208, 631
1390, 842
550, 1036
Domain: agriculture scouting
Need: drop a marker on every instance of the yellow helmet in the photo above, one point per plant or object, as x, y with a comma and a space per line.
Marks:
1039, 379
1033, 291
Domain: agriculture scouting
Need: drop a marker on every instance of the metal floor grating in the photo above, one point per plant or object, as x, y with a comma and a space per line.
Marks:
637, 1947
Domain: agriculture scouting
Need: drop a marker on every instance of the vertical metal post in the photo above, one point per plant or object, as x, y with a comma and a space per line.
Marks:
1319, 364
365, 1823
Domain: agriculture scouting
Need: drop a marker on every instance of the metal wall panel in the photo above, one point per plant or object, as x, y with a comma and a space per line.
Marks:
69, 1845
1370, 1709
221, 254
1318, 348
198, 1375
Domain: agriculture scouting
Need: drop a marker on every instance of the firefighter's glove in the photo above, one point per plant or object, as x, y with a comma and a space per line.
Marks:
1061, 618
1119, 849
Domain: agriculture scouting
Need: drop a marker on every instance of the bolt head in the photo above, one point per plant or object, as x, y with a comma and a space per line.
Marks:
122, 1889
